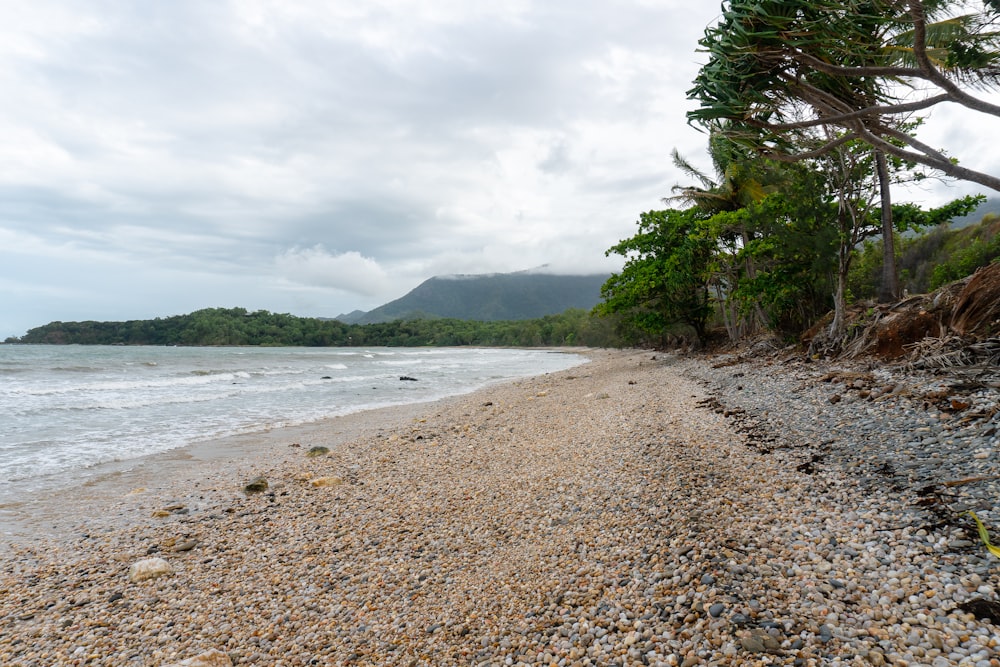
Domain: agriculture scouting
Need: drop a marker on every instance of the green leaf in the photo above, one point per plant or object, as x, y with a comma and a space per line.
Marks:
984, 535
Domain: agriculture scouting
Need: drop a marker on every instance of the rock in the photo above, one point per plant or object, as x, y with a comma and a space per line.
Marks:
186, 545
876, 658
159, 514
256, 485
320, 482
752, 644
211, 658
149, 568
958, 405
317, 451
407, 378
716, 610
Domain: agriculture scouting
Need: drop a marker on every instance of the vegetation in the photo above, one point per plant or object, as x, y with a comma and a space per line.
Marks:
237, 326
503, 296
809, 108
931, 260
665, 276
776, 263
778, 69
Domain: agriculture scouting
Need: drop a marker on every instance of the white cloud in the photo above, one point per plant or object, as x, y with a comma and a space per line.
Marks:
348, 271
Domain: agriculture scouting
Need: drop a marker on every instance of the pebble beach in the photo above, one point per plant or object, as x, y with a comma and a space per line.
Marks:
641, 509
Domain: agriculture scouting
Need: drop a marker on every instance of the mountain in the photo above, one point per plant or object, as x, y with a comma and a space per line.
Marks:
498, 296
991, 205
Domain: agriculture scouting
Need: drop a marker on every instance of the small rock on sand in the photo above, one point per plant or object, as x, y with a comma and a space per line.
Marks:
326, 481
149, 568
212, 658
256, 485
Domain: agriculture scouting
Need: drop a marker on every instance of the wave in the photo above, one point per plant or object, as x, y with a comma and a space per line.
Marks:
61, 422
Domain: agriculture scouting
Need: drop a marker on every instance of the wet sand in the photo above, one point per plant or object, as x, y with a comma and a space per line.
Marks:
201, 475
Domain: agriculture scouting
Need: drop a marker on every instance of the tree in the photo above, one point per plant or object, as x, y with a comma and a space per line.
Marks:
779, 66
663, 282
742, 178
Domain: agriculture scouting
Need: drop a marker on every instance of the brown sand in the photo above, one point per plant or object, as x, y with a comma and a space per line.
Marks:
596, 516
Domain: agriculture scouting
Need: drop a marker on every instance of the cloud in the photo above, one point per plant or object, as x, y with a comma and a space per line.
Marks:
318, 156
316, 267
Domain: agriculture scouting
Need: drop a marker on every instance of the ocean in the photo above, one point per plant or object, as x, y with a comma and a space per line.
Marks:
65, 411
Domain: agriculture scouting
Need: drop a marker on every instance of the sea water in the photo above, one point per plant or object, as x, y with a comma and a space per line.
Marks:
65, 410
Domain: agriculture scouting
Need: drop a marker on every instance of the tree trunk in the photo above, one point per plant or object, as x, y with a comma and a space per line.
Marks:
889, 289
838, 326
762, 320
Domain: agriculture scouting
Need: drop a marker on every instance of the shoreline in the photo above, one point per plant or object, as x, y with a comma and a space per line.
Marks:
207, 468
204, 468
639, 509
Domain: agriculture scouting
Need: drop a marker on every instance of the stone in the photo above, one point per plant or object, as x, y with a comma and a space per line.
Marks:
256, 485
149, 568
210, 658
321, 482
716, 610
752, 644
317, 451
185, 545
876, 658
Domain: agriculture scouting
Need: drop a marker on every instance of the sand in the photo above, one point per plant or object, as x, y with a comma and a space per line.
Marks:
604, 515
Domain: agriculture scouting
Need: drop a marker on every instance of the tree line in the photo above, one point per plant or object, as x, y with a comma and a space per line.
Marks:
238, 326
811, 108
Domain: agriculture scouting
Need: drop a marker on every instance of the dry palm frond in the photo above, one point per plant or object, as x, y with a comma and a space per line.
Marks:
954, 352
861, 338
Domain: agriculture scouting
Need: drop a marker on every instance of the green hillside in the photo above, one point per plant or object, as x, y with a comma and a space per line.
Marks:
489, 298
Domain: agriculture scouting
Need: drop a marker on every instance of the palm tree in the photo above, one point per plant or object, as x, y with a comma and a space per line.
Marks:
741, 178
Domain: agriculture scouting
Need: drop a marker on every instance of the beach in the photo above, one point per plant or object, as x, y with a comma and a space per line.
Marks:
644, 508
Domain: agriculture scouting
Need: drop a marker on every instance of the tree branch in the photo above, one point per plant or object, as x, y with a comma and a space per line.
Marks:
931, 73
934, 160
843, 70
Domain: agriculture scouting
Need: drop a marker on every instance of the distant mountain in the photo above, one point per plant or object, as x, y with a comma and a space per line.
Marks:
487, 297
991, 205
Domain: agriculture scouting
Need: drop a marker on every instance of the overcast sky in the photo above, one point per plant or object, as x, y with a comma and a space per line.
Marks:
320, 157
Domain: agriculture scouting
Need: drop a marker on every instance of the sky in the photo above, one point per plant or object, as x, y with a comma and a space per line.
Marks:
320, 157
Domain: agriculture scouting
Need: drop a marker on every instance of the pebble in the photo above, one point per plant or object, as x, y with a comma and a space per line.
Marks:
565, 519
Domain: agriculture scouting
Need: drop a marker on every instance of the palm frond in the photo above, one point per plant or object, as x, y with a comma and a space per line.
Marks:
690, 170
